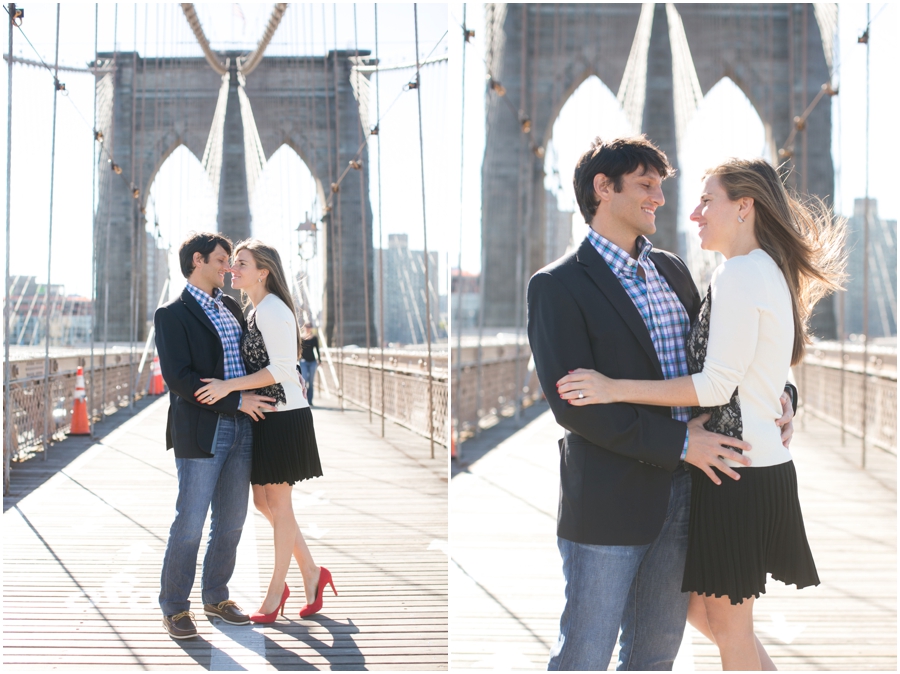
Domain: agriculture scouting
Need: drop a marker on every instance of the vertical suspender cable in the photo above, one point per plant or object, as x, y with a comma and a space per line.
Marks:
7, 408
380, 249
132, 336
425, 238
841, 294
459, 278
94, 257
47, 411
520, 233
112, 129
337, 210
865, 303
366, 239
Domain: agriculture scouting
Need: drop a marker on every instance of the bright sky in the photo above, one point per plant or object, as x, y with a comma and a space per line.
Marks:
180, 197
725, 124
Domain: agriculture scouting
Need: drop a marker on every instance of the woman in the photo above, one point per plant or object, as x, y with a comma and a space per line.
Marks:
309, 358
284, 442
781, 257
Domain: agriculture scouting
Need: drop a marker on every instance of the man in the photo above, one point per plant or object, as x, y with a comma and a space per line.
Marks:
198, 335
618, 306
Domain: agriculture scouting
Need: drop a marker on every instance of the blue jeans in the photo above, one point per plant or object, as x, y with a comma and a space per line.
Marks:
308, 371
223, 482
635, 587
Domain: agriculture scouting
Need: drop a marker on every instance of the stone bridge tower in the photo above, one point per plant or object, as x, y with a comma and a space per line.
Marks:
661, 59
232, 125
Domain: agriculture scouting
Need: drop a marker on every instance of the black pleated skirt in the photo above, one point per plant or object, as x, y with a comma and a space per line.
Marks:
743, 529
284, 448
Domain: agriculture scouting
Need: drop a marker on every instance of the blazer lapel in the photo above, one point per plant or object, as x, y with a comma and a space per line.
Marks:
604, 278
679, 282
194, 307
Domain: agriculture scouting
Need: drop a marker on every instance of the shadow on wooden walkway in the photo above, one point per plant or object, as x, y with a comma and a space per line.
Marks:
83, 550
506, 574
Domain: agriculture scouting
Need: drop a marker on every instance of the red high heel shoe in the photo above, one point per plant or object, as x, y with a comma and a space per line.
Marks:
271, 617
316, 606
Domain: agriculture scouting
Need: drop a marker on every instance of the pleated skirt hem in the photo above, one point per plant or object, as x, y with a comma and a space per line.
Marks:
284, 448
742, 530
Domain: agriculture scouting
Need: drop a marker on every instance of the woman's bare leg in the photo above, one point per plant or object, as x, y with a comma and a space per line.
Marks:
697, 618
731, 626
308, 569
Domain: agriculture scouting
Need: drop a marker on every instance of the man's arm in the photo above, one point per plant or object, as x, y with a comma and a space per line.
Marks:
175, 363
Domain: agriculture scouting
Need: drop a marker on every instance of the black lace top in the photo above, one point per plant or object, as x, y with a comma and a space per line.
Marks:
724, 419
253, 349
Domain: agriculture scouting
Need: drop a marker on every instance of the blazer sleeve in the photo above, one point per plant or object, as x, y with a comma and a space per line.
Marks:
560, 343
174, 349
279, 332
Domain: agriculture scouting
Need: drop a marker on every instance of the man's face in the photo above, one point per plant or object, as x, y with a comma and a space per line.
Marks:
213, 272
634, 208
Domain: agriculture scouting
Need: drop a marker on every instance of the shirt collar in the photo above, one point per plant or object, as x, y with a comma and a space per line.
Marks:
618, 260
204, 299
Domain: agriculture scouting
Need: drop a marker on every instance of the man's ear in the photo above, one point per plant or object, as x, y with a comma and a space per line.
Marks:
602, 187
198, 259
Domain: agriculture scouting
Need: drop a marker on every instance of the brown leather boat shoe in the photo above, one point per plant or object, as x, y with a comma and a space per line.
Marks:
228, 611
181, 625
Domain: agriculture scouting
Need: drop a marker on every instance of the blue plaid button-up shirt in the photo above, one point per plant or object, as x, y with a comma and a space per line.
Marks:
226, 325
659, 306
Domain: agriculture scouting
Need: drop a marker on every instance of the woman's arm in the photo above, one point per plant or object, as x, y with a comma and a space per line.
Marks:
216, 389
587, 387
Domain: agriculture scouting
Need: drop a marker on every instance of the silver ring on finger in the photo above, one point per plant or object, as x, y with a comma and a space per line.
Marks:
580, 395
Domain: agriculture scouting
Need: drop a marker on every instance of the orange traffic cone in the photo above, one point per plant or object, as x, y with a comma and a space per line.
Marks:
156, 381
80, 424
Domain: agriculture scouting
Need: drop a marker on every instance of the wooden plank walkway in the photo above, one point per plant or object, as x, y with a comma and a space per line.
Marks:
506, 575
82, 555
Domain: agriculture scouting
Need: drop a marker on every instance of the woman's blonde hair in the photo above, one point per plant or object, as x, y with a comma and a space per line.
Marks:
804, 239
268, 258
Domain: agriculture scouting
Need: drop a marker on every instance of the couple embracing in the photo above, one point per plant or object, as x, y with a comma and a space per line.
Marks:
238, 416
678, 494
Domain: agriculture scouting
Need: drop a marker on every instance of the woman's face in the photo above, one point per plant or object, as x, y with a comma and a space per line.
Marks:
244, 272
717, 216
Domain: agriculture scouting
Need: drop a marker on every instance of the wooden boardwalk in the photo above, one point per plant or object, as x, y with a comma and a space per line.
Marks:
506, 574
82, 554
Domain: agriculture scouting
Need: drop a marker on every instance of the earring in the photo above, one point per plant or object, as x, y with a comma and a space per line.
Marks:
740, 219
259, 280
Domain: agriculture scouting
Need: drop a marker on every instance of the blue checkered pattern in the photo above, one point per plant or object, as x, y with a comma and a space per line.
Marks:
226, 325
659, 306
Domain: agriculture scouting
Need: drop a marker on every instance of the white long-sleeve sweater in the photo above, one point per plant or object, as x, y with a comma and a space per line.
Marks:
751, 337
278, 327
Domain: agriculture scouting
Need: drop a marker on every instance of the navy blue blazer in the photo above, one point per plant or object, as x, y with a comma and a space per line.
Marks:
190, 349
617, 460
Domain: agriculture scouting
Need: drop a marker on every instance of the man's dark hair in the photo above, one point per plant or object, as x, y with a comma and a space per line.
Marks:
614, 159
203, 243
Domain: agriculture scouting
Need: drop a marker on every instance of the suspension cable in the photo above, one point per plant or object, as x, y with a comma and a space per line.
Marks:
365, 238
865, 303
94, 257
248, 65
191, 15
424, 237
380, 242
50, 254
339, 229
7, 409
459, 279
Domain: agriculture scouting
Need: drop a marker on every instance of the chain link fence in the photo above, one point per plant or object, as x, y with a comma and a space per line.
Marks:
832, 390
30, 412
406, 387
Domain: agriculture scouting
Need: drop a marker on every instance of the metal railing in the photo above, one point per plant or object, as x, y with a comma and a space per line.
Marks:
28, 396
835, 393
405, 387
488, 385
